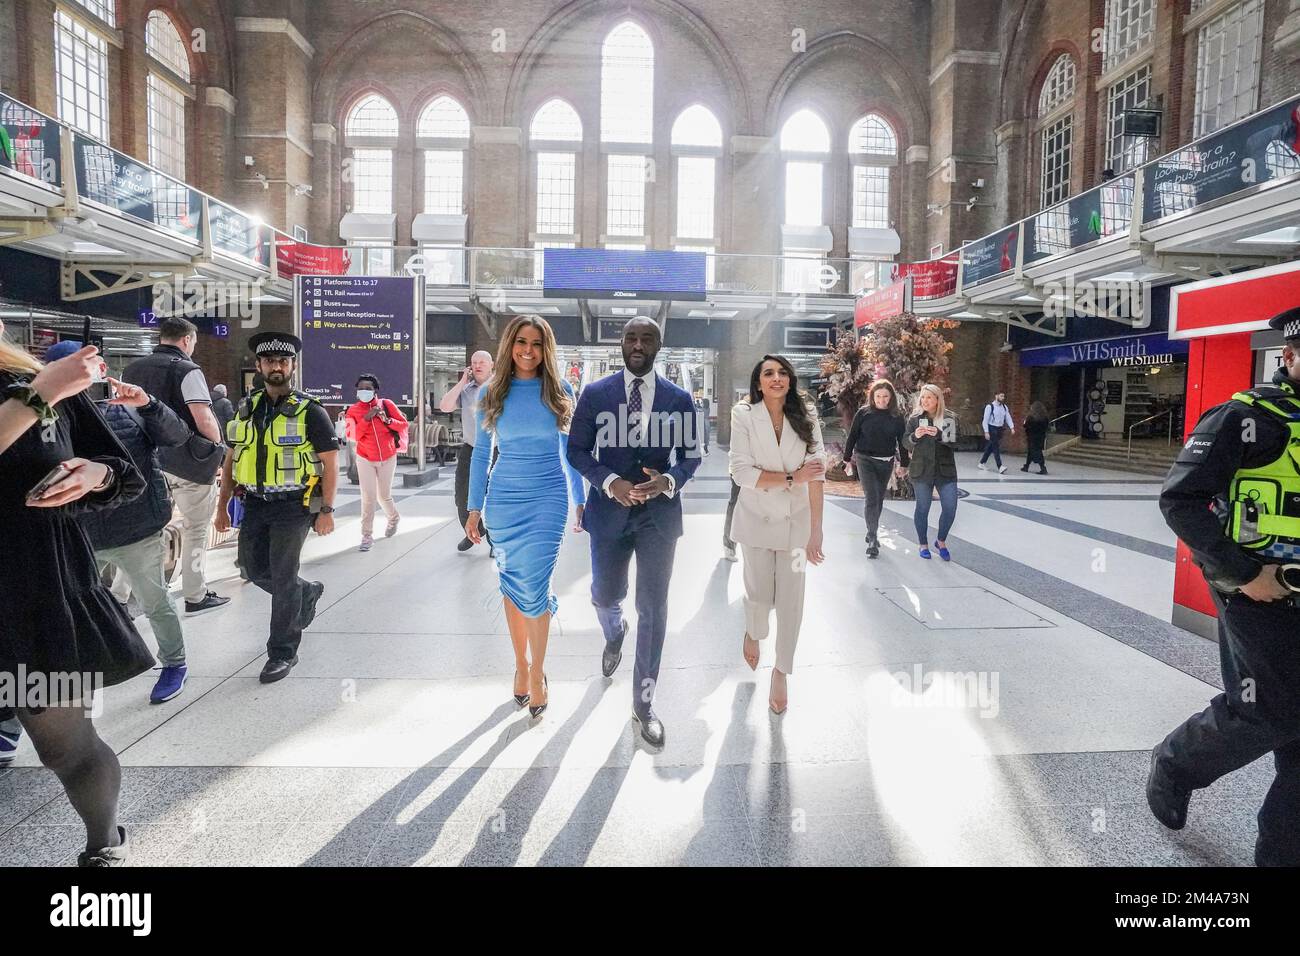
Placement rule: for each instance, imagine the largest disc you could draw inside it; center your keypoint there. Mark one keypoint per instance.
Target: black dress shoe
(873, 550)
(277, 670)
(465, 545)
(1167, 800)
(609, 660)
(210, 600)
(652, 728)
(310, 598)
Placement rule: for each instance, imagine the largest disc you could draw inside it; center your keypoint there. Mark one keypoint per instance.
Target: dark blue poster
(355, 325)
(29, 142)
(1257, 150)
(991, 256)
(1088, 217)
(1151, 348)
(114, 179)
(236, 234)
(623, 274)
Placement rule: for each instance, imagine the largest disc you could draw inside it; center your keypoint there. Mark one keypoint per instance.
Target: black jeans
(874, 475)
(731, 510)
(1258, 713)
(463, 456)
(270, 547)
(1034, 455)
(994, 445)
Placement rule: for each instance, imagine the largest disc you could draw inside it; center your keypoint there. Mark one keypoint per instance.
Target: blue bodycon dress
(526, 500)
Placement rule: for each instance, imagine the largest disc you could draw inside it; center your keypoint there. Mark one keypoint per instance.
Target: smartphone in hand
(60, 474)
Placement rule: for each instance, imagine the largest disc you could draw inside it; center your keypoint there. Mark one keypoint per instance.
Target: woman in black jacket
(876, 438)
(63, 630)
(932, 435)
(1036, 437)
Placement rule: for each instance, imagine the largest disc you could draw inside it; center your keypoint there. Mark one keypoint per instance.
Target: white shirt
(996, 413)
(647, 404)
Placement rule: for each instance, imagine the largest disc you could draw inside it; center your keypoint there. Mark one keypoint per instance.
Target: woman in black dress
(1036, 437)
(59, 621)
(876, 438)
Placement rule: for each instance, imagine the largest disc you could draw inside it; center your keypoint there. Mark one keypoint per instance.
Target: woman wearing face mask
(377, 426)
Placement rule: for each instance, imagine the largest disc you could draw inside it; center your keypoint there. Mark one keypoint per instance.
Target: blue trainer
(170, 683)
(943, 552)
(924, 552)
(10, 733)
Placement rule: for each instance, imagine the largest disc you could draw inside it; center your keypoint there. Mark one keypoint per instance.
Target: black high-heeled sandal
(537, 711)
(520, 699)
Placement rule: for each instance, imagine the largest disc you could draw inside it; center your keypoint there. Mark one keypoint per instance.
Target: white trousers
(774, 581)
(197, 503)
(376, 485)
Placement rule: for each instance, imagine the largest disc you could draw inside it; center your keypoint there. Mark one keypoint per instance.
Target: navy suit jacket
(598, 447)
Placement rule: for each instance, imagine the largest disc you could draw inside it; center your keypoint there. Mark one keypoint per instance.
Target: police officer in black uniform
(1233, 497)
(283, 457)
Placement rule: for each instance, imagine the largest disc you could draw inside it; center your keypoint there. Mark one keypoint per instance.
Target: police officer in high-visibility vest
(1233, 497)
(283, 459)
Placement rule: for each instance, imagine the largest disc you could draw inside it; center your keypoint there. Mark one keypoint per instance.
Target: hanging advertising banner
(236, 234)
(296, 258)
(29, 143)
(930, 280)
(1089, 217)
(989, 257)
(1261, 149)
(624, 274)
(352, 325)
(884, 303)
(117, 181)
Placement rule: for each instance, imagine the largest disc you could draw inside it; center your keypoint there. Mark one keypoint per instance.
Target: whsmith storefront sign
(1153, 348)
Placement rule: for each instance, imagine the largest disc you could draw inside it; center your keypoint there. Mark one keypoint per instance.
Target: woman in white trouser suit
(778, 461)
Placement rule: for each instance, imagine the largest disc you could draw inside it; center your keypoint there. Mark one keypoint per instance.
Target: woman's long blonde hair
(942, 409)
(15, 359)
(554, 394)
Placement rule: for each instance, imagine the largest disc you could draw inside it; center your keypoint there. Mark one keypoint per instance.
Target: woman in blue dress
(524, 411)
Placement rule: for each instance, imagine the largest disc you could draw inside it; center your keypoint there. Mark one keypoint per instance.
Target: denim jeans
(947, 507)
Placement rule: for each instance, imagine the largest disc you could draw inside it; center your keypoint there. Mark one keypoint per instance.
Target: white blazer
(775, 518)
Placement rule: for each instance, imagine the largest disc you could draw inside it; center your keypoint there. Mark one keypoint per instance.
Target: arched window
(81, 65)
(371, 128)
(696, 146)
(1056, 131)
(627, 70)
(555, 136)
(167, 82)
(372, 116)
(443, 130)
(806, 145)
(873, 152)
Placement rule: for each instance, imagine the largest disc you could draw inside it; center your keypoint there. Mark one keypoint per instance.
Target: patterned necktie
(634, 402)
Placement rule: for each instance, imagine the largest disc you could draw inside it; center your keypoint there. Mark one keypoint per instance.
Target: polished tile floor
(995, 710)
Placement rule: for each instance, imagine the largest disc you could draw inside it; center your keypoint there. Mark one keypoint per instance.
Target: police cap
(275, 343)
(1288, 323)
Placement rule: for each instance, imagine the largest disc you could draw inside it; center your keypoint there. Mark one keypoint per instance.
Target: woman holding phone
(778, 461)
(931, 433)
(60, 621)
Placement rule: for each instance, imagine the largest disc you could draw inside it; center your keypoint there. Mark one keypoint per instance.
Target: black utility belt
(276, 495)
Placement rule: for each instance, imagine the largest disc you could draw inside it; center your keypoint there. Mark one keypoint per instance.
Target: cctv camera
(249, 162)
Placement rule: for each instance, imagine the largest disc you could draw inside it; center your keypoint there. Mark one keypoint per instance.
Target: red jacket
(375, 440)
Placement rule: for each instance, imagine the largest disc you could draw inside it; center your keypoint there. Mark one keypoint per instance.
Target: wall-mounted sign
(1243, 302)
(884, 303)
(29, 142)
(1258, 150)
(1139, 122)
(623, 274)
(1152, 348)
(807, 338)
(352, 325)
(610, 331)
(1267, 361)
(990, 256)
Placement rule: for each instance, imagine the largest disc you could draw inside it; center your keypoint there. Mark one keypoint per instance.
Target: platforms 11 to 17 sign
(358, 325)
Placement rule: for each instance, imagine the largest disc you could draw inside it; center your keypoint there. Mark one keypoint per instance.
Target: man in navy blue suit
(634, 439)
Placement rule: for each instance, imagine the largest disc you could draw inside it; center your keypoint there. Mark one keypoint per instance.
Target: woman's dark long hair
(798, 406)
(883, 383)
(1037, 412)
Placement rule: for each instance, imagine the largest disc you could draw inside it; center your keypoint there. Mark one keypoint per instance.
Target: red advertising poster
(884, 303)
(1237, 303)
(930, 280)
(306, 259)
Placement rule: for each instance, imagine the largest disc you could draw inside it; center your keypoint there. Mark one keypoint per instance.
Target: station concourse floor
(997, 710)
